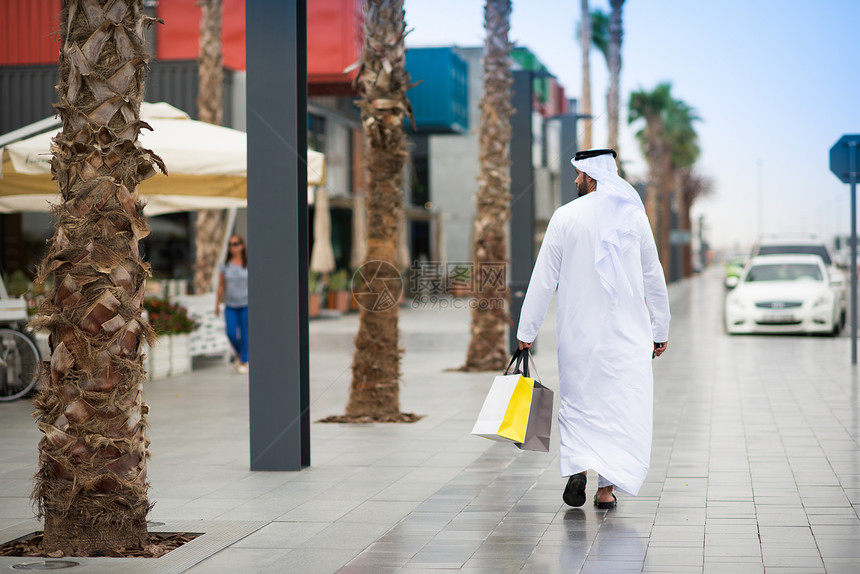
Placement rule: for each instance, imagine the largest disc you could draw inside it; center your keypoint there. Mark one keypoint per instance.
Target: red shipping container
(29, 32)
(179, 37)
(335, 40)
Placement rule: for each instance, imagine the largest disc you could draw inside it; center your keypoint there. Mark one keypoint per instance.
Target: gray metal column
(568, 150)
(522, 197)
(276, 47)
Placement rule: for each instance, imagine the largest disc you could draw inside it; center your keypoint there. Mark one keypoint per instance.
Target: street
(755, 464)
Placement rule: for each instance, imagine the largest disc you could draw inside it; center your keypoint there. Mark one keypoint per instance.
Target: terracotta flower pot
(339, 300)
(314, 304)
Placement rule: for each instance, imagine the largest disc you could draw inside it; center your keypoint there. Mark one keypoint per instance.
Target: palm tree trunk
(585, 40)
(375, 391)
(664, 245)
(91, 484)
(488, 346)
(685, 223)
(654, 156)
(209, 223)
(614, 63)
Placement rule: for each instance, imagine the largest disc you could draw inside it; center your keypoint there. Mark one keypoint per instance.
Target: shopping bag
(539, 426)
(505, 413)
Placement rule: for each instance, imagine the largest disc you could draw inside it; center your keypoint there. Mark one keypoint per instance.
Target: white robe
(604, 348)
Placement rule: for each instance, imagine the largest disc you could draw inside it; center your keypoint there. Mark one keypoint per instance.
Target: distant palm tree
(693, 185)
(488, 346)
(613, 59)
(91, 484)
(606, 36)
(585, 45)
(684, 151)
(652, 107)
(670, 145)
(209, 223)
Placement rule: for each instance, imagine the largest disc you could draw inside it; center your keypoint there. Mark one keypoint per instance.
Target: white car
(785, 294)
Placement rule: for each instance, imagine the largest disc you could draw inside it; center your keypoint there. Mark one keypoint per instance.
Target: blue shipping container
(440, 103)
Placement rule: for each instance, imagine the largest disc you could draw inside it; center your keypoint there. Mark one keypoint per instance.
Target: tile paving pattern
(755, 464)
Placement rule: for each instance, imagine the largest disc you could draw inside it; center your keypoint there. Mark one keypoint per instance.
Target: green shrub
(168, 318)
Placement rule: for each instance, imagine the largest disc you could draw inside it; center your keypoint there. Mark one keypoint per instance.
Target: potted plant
(314, 295)
(338, 291)
(172, 324)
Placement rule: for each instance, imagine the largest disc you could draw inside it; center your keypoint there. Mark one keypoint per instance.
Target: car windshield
(785, 272)
(819, 250)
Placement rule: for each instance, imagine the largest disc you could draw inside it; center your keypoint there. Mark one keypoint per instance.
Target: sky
(776, 83)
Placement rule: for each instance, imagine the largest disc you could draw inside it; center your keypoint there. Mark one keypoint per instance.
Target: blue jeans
(237, 330)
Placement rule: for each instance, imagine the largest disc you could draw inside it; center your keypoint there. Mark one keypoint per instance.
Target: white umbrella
(322, 254)
(207, 165)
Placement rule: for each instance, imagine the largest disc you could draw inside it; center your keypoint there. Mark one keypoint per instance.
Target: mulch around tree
(156, 546)
(398, 418)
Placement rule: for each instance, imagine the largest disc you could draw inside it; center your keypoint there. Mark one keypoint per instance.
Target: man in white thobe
(599, 253)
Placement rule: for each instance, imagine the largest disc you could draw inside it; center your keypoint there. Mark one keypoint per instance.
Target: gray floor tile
(753, 464)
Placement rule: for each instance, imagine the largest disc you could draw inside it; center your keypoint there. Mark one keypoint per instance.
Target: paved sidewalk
(755, 464)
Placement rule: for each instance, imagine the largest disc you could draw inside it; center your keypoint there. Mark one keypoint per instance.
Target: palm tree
(613, 60)
(375, 389)
(606, 35)
(652, 107)
(91, 484)
(209, 223)
(488, 346)
(693, 185)
(684, 151)
(585, 44)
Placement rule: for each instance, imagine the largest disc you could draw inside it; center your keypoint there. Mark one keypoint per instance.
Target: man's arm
(542, 285)
(656, 294)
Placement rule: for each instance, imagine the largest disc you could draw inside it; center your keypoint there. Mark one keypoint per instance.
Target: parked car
(800, 243)
(785, 294)
(782, 244)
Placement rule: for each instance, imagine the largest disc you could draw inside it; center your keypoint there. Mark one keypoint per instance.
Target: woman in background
(233, 292)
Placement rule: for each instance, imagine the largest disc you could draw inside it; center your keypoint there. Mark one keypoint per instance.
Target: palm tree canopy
(681, 135)
(675, 118)
(599, 31)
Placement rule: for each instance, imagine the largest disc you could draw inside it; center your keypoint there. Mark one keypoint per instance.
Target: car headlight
(736, 303)
(823, 299)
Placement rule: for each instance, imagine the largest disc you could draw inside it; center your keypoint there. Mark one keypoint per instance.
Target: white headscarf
(615, 228)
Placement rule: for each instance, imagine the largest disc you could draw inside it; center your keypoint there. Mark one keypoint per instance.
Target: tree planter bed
(211, 536)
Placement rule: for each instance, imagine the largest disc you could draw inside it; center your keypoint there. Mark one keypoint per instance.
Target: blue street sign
(841, 160)
(844, 163)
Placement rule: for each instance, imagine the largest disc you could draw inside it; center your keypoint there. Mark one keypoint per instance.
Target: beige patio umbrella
(322, 254)
(210, 174)
(359, 231)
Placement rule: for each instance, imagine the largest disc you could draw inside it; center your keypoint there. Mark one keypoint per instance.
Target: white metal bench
(210, 336)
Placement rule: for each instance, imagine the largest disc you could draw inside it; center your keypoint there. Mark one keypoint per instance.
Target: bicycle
(19, 355)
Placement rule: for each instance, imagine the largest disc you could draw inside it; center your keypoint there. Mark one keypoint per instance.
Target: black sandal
(605, 505)
(574, 492)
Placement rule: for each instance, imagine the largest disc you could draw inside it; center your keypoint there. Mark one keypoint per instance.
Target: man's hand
(524, 345)
(659, 349)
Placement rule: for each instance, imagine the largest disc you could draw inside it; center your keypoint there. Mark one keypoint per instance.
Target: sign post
(843, 163)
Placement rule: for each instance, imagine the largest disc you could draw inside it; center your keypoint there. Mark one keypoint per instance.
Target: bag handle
(522, 357)
(534, 366)
(518, 358)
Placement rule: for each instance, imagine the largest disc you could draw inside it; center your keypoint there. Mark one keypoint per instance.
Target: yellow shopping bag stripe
(516, 419)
